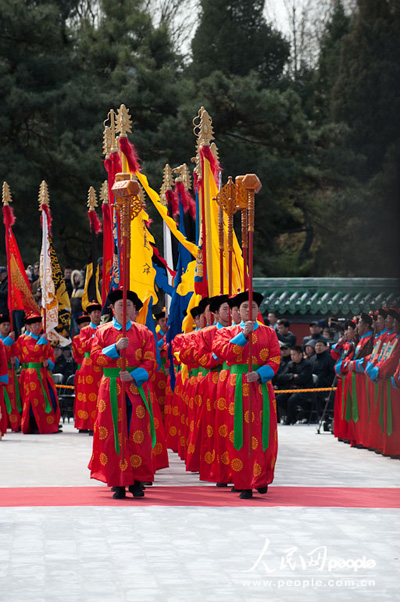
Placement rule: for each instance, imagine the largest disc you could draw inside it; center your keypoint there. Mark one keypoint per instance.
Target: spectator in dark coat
(323, 365)
(299, 376)
(315, 334)
(284, 334)
(280, 377)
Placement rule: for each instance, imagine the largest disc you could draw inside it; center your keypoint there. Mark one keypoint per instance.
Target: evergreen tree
(367, 90)
(233, 37)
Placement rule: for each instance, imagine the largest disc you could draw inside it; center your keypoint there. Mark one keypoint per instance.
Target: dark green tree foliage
(325, 146)
(367, 91)
(233, 37)
(329, 60)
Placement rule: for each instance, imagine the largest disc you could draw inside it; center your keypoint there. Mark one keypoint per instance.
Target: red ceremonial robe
(39, 395)
(257, 471)
(87, 382)
(12, 397)
(122, 439)
(3, 383)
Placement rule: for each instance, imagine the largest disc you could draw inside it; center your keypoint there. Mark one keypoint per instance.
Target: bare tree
(180, 16)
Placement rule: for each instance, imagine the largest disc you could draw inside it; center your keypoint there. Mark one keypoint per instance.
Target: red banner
(20, 292)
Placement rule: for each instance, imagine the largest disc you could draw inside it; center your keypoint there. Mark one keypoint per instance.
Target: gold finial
(107, 141)
(167, 183)
(92, 199)
(6, 194)
(124, 121)
(111, 136)
(183, 176)
(44, 198)
(203, 128)
(104, 192)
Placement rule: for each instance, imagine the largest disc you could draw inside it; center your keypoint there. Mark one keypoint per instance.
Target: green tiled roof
(326, 296)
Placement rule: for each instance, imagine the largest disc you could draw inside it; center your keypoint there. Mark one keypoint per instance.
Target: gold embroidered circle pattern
(237, 465)
(138, 437)
(103, 432)
(136, 461)
(140, 412)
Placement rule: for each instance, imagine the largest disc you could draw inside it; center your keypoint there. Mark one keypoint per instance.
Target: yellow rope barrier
(324, 389)
(306, 390)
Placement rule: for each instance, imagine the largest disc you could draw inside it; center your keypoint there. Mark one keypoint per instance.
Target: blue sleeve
(374, 373)
(111, 351)
(394, 383)
(17, 363)
(8, 341)
(359, 364)
(266, 373)
(42, 341)
(215, 357)
(51, 365)
(160, 343)
(338, 368)
(140, 375)
(239, 339)
(4, 379)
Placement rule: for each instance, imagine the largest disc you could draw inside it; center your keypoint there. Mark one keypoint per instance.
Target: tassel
(188, 203)
(130, 153)
(95, 223)
(205, 153)
(172, 202)
(8, 216)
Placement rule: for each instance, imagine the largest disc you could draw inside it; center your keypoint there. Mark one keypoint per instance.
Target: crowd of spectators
(305, 366)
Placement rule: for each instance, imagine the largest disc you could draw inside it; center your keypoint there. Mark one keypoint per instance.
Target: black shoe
(246, 494)
(145, 484)
(83, 431)
(114, 488)
(234, 490)
(136, 489)
(222, 485)
(263, 489)
(119, 493)
(90, 433)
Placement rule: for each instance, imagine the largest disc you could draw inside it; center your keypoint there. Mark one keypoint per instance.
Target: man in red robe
(41, 412)
(3, 383)
(12, 397)
(124, 434)
(89, 374)
(231, 345)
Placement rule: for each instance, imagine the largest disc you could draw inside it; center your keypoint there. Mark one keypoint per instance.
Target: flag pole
(252, 185)
(128, 205)
(8, 220)
(44, 202)
(226, 199)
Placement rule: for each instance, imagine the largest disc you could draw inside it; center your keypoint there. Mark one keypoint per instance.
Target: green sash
(351, 401)
(113, 374)
(36, 366)
(239, 370)
(7, 401)
(79, 366)
(87, 354)
(389, 415)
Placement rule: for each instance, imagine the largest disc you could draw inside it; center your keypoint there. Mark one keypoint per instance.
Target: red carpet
(313, 497)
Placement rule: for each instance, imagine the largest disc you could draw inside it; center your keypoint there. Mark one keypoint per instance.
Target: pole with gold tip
(8, 222)
(252, 185)
(44, 208)
(128, 205)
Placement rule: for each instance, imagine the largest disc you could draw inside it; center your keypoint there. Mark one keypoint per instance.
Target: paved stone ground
(173, 554)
